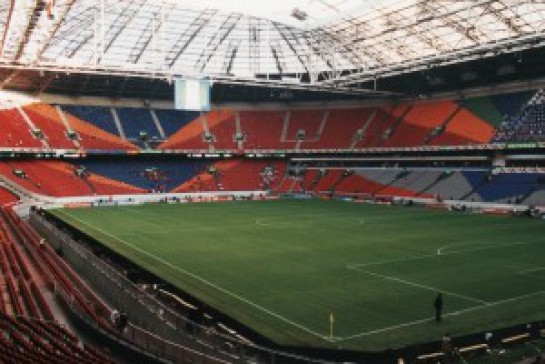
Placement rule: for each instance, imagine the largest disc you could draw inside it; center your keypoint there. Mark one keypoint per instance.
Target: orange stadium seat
(15, 132)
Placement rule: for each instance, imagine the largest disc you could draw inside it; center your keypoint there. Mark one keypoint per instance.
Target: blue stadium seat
(136, 120)
(174, 120)
(96, 115)
(173, 173)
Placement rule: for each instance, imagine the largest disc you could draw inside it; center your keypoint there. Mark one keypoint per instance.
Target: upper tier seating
(173, 120)
(96, 115)
(137, 120)
(262, 129)
(463, 122)
(342, 126)
(15, 132)
(46, 118)
(527, 124)
(513, 117)
(213, 130)
(86, 136)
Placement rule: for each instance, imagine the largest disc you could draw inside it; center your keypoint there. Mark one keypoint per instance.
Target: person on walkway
(438, 304)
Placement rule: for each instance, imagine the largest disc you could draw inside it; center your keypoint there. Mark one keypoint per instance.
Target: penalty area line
(439, 253)
(431, 318)
(200, 279)
(421, 286)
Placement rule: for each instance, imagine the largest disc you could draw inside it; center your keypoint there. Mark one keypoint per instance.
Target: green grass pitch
(281, 267)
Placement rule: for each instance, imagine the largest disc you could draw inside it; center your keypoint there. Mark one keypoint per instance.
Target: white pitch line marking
(531, 270)
(262, 221)
(428, 319)
(422, 286)
(213, 285)
(434, 255)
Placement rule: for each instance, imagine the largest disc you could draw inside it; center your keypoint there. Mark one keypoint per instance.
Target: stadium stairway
(201, 182)
(341, 181)
(138, 120)
(507, 187)
(86, 136)
(100, 117)
(433, 179)
(173, 120)
(537, 197)
(309, 122)
(510, 104)
(53, 272)
(190, 136)
(476, 179)
(342, 127)
(7, 197)
(59, 179)
(402, 125)
(105, 186)
(310, 179)
(392, 129)
(21, 279)
(235, 175)
(56, 179)
(222, 126)
(440, 129)
(28, 330)
(424, 119)
(385, 118)
(262, 129)
(47, 119)
(25, 340)
(15, 132)
(59, 272)
(142, 175)
(485, 109)
(465, 125)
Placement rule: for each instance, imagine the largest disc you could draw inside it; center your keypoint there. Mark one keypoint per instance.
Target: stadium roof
(300, 43)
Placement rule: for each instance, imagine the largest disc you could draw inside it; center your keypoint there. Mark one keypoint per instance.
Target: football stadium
(300, 181)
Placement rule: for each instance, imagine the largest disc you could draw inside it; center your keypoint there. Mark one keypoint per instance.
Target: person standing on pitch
(438, 304)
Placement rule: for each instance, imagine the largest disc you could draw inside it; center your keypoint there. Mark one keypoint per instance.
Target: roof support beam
(508, 22)
(6, 27)
(281, 30)
(123, 20)
(35, 15)
(185, 39)
(59, 18)
(152, 27)
(217, 39)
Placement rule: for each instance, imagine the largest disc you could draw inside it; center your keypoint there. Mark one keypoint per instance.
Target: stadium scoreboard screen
(192, 94)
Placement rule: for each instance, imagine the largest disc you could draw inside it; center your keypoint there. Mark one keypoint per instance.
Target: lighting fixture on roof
(299, 14)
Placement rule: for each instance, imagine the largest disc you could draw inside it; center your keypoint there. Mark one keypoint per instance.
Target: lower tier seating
(28, 330)
(134, 176)
(6, 197)
(25, 340)
(60, 179)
